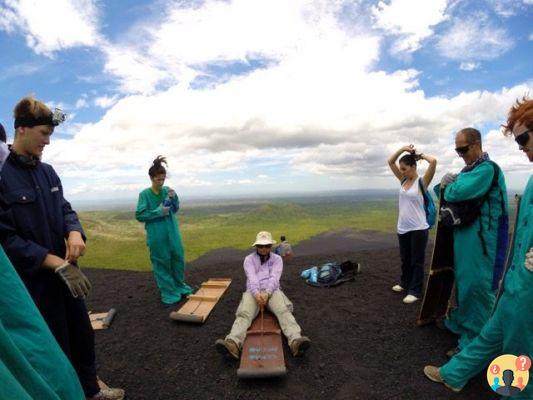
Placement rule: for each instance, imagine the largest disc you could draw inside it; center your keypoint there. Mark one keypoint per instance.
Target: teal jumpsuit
(32, 365)
(164, 241)
(474, 270)
(510, 328)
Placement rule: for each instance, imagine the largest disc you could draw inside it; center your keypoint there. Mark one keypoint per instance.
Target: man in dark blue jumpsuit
(43, 238)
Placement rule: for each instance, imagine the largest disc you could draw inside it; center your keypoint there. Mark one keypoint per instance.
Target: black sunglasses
(462, 149)
(262, 246)
(523, 138)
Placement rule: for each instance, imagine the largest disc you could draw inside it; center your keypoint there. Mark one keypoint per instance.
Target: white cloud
(530, 37)
(81, 103)
(474, 38)
(319, 107)
(410, 20)
(178, 48)
(52, 25)
(469, 66)
(105, 101)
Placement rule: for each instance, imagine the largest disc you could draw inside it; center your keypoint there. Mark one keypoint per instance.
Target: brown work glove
(76, 281)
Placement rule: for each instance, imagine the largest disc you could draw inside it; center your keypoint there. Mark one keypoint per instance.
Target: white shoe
(398, 288)
(410, 299)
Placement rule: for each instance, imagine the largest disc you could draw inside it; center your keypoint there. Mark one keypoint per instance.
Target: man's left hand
(528, 263)
(75, 246)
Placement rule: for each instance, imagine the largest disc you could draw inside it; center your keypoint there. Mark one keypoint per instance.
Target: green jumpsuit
(164, 241)
(510, 328)
(32, 365)
(474, 270)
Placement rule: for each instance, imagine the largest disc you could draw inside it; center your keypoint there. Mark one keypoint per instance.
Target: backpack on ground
(333, 274)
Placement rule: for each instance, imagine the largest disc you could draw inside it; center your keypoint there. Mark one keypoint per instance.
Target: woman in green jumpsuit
(32, 366)
(157, 208)
(510, 328)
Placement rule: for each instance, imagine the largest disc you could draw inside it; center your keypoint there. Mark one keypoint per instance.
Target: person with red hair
(508, 331)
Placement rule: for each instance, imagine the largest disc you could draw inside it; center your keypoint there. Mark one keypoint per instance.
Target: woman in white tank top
(412, 223)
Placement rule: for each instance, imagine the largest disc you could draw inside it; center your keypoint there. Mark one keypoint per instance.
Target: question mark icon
(523, 363)
(495, 369)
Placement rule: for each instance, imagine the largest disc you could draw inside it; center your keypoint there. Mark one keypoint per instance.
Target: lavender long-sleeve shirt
(262, 276)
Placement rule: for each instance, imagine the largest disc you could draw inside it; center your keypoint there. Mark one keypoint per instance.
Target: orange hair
(520, 113)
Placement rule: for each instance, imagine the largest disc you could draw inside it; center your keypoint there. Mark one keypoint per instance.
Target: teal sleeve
(176, 203)
(470, 185)
(143, 213)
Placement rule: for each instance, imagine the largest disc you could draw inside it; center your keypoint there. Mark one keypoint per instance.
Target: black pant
(69, 322)
(412, 253)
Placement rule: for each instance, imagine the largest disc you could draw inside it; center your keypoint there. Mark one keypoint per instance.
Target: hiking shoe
(108, 394)
(433, 374)
(300, 345)
(450, 353)
(227, 347)
(409, 299)
(398, 288)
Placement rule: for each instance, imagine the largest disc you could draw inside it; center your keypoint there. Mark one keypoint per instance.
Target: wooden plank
(199, 305)
(262, 350)
(102, 320)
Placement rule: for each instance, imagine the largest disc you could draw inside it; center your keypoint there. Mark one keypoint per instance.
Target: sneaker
(228, 347)
(398, 288)
(300, 345)
(108, 394)
(450, 353)
(433, 374)
(409, 299)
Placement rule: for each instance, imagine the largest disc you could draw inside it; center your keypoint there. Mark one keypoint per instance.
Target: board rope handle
(262, 309)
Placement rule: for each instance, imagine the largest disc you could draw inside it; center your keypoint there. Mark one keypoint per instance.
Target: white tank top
(412, 216)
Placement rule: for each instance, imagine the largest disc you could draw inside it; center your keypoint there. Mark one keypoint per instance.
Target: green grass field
(117, 240)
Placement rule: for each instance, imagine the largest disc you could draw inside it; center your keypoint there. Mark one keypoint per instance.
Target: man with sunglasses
(508, 331)
(263, 270)
(479, 247)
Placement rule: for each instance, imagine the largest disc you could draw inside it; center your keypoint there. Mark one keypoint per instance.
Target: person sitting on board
(263, 270)
(508, 331)
(284, 249)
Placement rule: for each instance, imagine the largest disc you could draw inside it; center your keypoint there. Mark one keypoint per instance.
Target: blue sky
(251, 97)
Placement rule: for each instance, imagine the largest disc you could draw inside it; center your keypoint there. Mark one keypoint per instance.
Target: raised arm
(143, 213)
(392, 160)
(430, 172)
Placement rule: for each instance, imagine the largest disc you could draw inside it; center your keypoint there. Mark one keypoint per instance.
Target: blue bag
(429, 205)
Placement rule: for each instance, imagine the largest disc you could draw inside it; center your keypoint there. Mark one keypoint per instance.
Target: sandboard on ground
(199, 305)
(262, 351)
(102, 320)
(440, 280)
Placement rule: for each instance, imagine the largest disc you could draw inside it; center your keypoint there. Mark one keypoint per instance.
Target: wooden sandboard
(440, 282)
(510, 245)
(102, 320)
(199, 305)
(262, 351)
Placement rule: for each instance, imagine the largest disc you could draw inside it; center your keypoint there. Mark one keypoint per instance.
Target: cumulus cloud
(474, 38)
(410, 21)
(50, 26)
(318, 105)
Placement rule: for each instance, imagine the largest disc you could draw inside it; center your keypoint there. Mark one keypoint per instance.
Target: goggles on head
(55, 118)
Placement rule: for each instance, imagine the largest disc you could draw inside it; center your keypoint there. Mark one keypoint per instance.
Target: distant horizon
(128, 203)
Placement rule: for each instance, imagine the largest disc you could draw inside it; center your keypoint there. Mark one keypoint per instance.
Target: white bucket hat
(263, 238)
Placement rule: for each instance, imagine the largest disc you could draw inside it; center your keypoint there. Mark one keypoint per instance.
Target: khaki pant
(248, 309)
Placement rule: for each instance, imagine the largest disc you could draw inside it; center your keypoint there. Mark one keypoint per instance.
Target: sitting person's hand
(261, 298)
